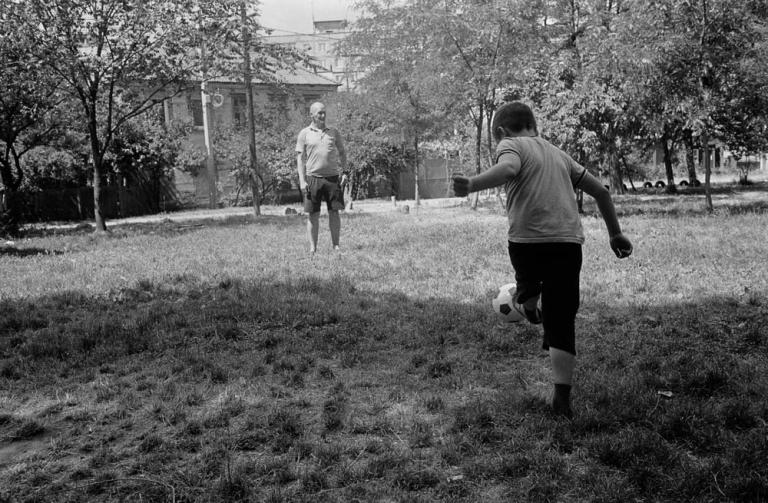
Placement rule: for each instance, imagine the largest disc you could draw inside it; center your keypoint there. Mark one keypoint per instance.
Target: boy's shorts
(552, 270)
(321, 189)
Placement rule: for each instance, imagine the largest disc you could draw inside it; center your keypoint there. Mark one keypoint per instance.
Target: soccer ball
(503, 304)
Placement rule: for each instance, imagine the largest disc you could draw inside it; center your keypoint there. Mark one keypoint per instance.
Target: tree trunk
(417, 199)
(617, 183)
(478, 150)
(690, 161)
(10, 205)
(10, 213)
(98, 215)
(668, 166)
(707, 172)
(249, 104)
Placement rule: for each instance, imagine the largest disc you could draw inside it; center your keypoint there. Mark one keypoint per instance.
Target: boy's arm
(496, 175)
(620, 245)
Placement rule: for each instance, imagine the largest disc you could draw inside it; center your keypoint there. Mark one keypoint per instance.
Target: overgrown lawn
(175, 362)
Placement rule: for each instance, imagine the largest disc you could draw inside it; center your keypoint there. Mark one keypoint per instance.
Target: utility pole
(210, 160)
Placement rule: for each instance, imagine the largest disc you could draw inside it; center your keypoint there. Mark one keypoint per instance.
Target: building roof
(295, 76)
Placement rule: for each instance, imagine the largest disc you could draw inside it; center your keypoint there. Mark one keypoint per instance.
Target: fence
(77, 203)
(434, 179)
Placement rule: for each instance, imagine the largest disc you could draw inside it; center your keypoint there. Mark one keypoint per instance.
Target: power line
(326, 36)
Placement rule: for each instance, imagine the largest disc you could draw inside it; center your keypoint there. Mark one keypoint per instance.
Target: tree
(372, 154)
(143, 154)
(485, 46)
(403, 80)
(117, 58)
(585, 87)
(230, 34)
(274, 138)
(703, 55)
(30, 114)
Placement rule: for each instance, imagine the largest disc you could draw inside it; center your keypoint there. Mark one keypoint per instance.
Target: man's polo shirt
(321, 148)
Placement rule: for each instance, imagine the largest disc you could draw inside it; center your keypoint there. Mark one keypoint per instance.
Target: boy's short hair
(515, 116)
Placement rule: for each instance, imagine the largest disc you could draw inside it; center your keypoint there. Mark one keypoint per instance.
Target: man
(320, 159)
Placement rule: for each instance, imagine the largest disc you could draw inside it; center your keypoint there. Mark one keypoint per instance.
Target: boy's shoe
(561, 408)
(561, 401)
(532, 315)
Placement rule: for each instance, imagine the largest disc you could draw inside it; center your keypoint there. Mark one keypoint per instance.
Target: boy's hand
(461, 185)
(621, 246)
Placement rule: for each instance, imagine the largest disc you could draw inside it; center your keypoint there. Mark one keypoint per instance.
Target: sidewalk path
(203, 216)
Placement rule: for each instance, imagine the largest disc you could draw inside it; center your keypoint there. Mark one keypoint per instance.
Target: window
(196, 111)
(239, 110)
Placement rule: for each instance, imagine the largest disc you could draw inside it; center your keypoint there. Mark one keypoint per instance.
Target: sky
(297, 15)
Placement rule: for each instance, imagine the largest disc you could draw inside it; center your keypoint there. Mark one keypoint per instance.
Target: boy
(545, 233)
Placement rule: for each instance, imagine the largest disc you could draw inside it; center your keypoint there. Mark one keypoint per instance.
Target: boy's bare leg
(563, 364)
(334, 222)
(312, 230)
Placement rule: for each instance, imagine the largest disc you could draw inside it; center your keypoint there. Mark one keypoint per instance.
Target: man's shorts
(321, 189)
(551, 270)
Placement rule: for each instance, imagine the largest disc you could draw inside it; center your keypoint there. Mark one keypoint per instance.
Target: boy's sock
(561, 401)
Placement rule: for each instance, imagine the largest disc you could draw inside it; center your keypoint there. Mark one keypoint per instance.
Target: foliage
(119, 58)
(31, 113)
(52, 167)
(143, 154)
(101, 52)
(277, 125)
(607, 79)
(374, 151)
(700, 63)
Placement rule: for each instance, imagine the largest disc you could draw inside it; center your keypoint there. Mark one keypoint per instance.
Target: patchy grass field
(175, 362)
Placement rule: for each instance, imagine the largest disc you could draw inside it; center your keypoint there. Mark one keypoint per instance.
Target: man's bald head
(315, 107)
(317, 113)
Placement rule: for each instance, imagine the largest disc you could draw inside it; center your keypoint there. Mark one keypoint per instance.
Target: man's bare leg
(334, 222)
(312, 230)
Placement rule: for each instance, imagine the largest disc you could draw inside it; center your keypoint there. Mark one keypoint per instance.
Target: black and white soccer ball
(504, 304)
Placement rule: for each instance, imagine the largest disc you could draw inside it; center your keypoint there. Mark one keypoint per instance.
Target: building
(321, 46)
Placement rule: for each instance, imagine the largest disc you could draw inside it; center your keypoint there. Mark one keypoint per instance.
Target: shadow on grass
(12, 251)
(241, 390)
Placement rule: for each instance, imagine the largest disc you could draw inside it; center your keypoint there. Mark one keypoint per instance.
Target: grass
(170, 362)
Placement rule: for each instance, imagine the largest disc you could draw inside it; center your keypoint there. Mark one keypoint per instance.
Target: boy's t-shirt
(541, 202)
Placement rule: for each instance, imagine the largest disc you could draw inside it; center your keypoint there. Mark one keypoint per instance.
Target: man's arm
(302, 169)
(301, 165)
(620, 245)
(498, 174)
